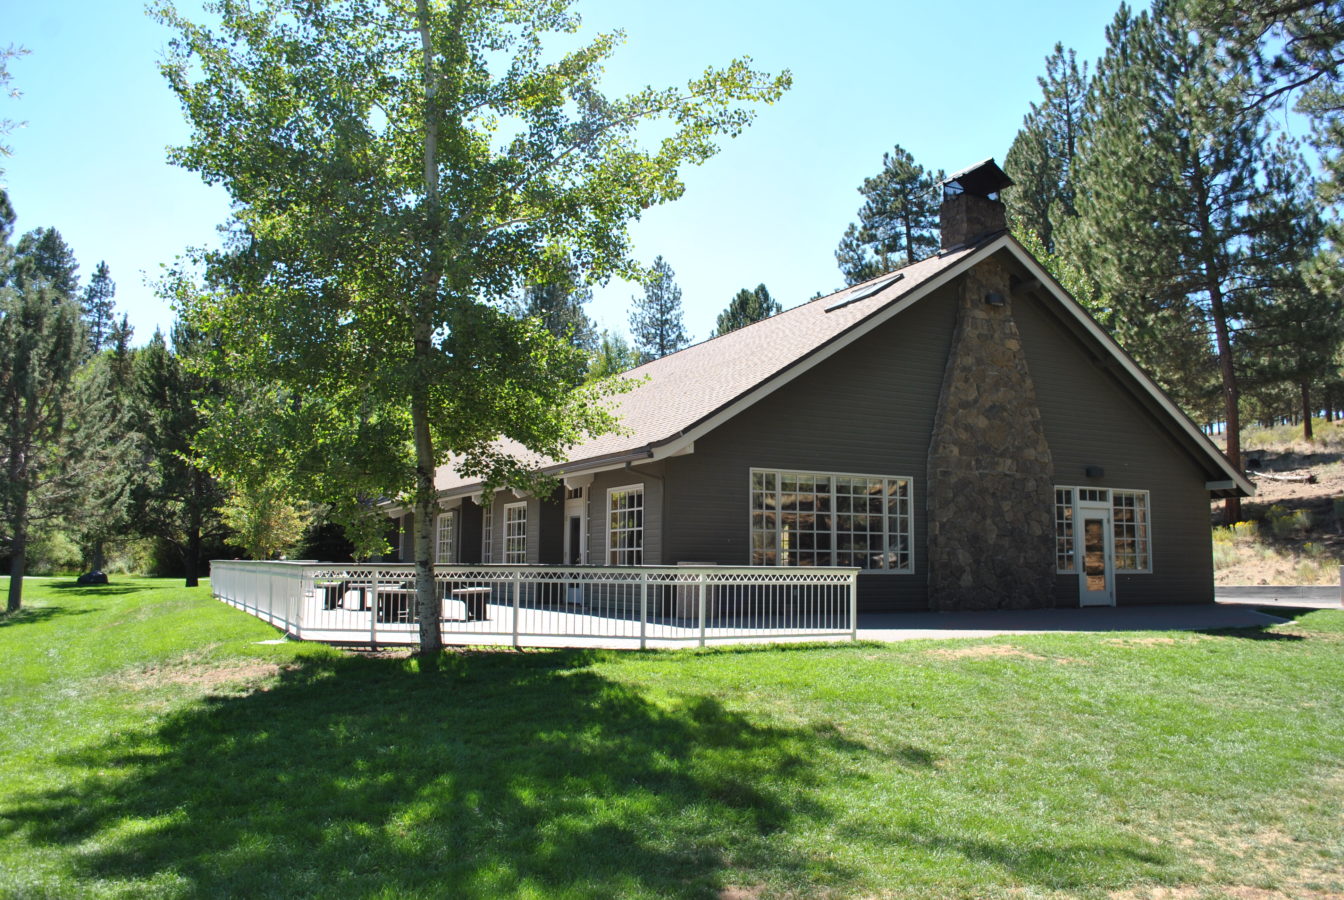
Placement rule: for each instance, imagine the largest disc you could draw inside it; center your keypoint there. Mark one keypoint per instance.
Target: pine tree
(1041, 158)
(1166, 178)
(656, 318)
(98, 304)
(178, 500)
(99, 440)
(898, 222)
(104, 404)
(745, 308)
(557, 300)
(42, 257)
(1292, 312)
(41, 344)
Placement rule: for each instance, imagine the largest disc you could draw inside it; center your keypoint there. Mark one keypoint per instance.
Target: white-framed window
(1131, 529)
(488, 533)
(625, 525)
(515, 533)
(831, 519)
(1064, 550)
(1129, 519)
(445, 538)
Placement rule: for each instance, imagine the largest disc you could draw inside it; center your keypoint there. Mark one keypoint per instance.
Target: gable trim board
(682, 442)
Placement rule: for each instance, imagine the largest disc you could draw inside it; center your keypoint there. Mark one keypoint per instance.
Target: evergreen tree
(178, 500)
(1041, 158)
(103, 433)
(1292, 45)
(41, 344)
(1166, 179)
(745, 308)
(557, 301)
(656, 318)
(98, 306)
(42, 257)
(1292, 317)
(898, 222)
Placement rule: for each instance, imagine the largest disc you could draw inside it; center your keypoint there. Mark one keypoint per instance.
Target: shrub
(1288, 522)
(1225, 554)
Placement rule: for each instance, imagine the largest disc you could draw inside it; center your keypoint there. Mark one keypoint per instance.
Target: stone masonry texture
(991, 477)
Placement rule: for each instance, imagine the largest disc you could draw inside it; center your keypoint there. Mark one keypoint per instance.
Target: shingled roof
(686, 393)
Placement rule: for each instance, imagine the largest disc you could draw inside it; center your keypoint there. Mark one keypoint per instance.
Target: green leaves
(398, 170)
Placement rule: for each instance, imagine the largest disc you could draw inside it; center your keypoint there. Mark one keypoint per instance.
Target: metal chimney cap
(981, 180)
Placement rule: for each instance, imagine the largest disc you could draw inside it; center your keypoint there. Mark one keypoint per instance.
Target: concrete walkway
(1202, 617)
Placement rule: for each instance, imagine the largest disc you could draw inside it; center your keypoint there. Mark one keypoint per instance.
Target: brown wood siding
(1090, 419)
(867, 410)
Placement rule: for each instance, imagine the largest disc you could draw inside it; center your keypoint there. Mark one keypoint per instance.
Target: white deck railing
(639, 606)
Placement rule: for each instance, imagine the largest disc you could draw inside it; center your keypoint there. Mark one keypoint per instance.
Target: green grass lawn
(149, 746)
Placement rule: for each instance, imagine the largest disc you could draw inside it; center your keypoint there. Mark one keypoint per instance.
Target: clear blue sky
(948, 81)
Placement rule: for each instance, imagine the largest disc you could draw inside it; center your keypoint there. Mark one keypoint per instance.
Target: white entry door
(1096, 577)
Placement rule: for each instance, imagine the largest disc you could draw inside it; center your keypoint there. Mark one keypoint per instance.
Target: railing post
(643, 609)
(853, 606)
(517, 590)
(704, 596)
(373, 611)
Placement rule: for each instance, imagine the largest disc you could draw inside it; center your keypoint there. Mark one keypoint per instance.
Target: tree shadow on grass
(30, 615)
(112, 589)
(488, 775)
(1057, 863)
(1256, 633)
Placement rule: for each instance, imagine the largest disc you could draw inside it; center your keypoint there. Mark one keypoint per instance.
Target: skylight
(864, 291)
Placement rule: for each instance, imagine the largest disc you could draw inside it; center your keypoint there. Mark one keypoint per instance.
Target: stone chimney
(971, 207)
(991, 475)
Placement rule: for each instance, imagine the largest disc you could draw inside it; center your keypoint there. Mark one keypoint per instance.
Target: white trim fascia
(864, 326)
(447, 503)
(1090, 324)
(675, 449)
(578, 481)
(1224, 485)
(473, 489)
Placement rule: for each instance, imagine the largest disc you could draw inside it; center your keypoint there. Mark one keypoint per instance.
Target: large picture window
(515, 533)
(1130, 528)
(445, 539)
(625, 525)
(827, 519)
